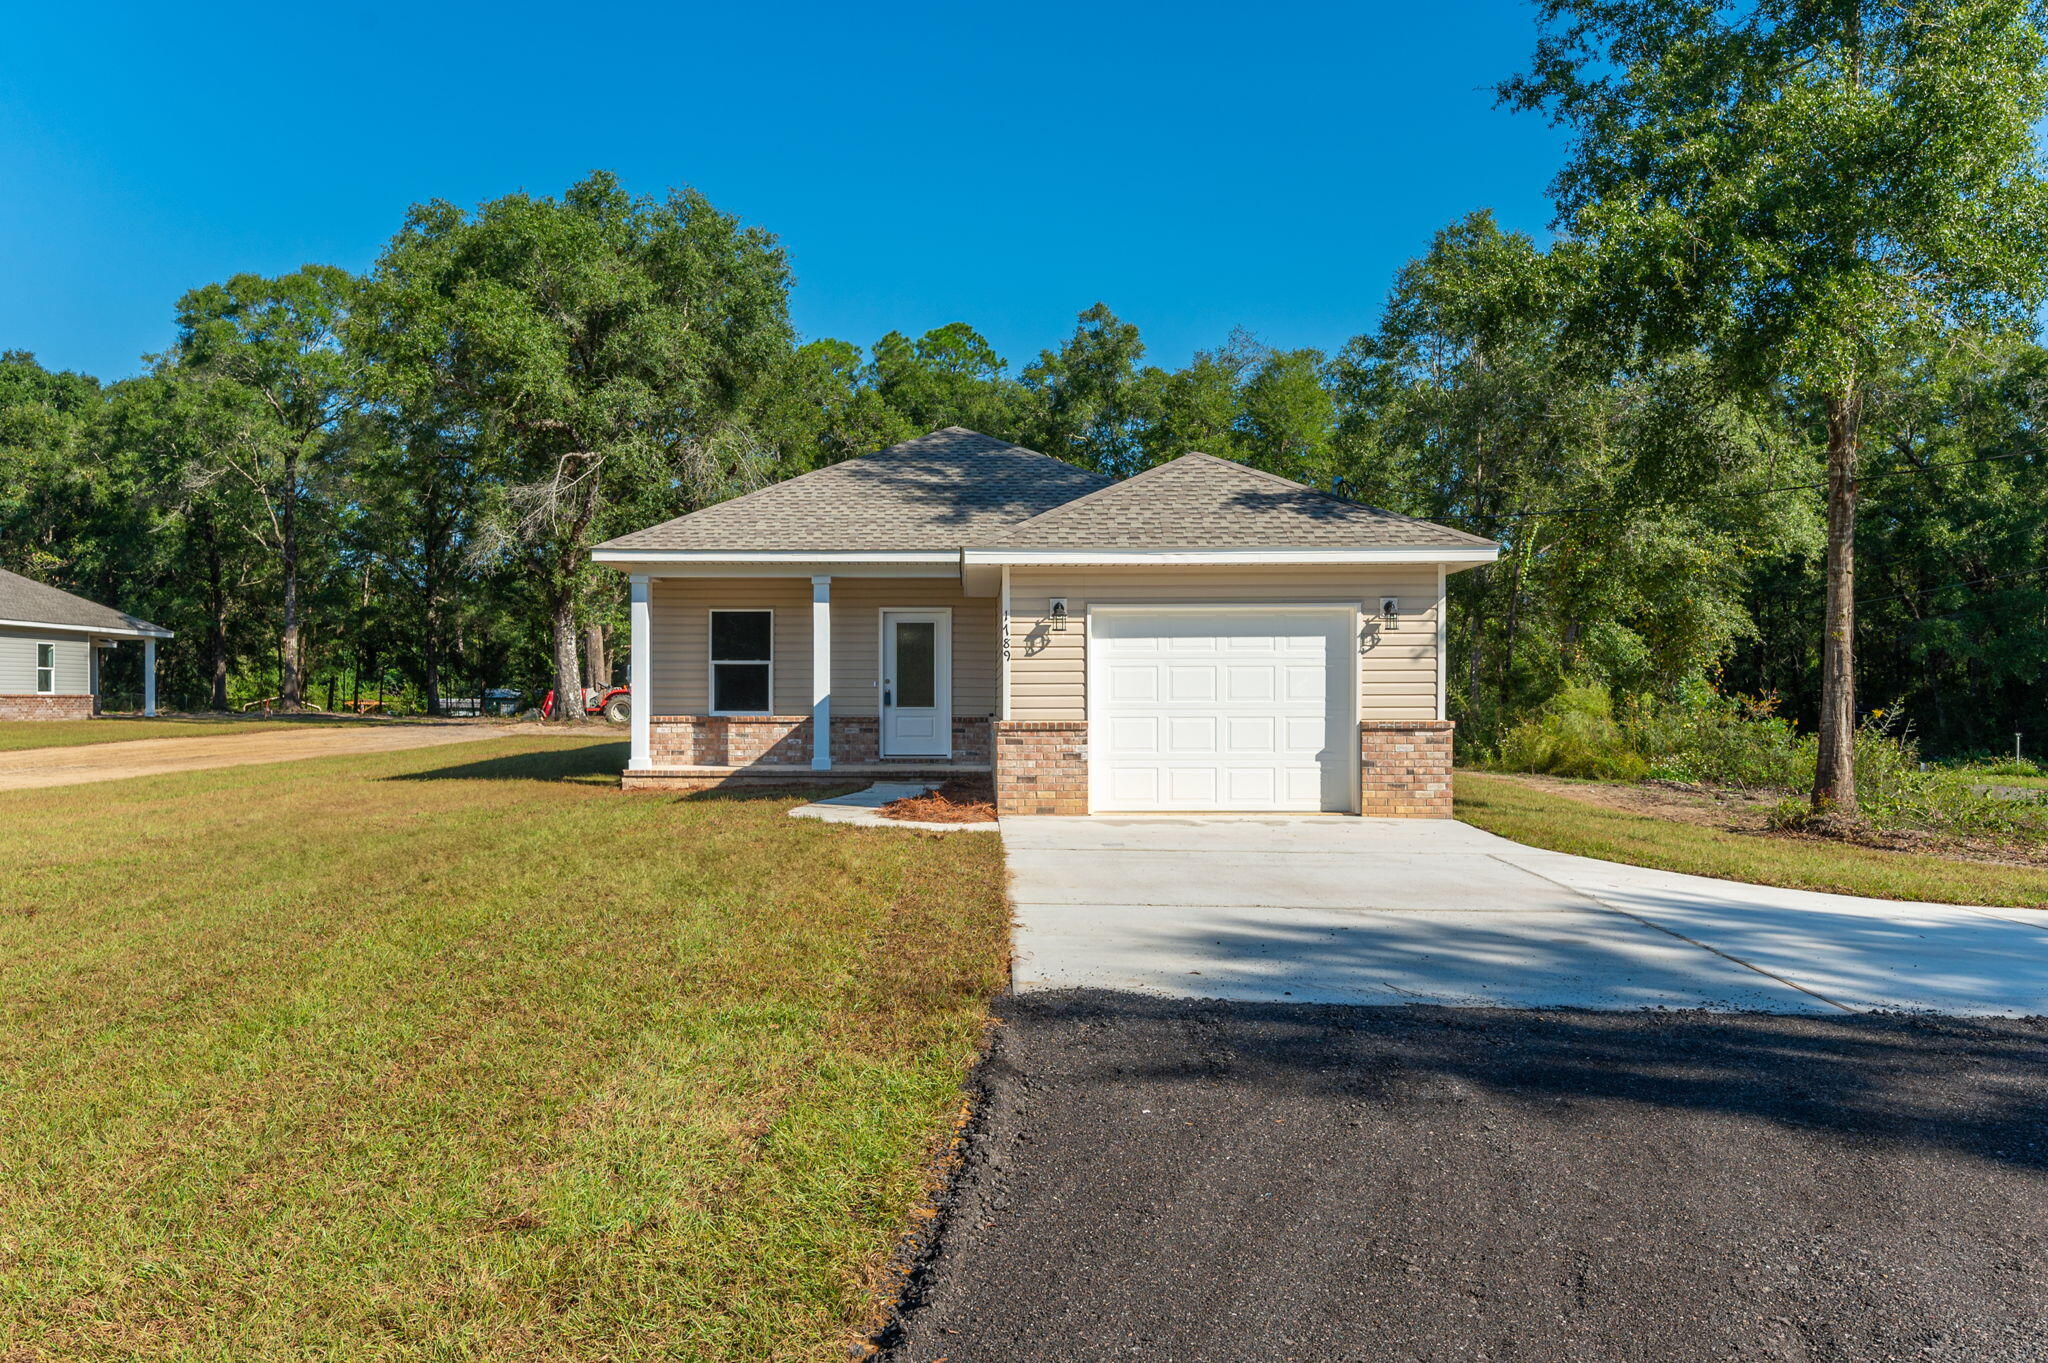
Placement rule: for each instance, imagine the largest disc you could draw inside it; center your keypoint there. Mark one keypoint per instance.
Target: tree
(1197, 407)
(1086, 395)
(605, 349)
(50, 484)
(1810, 192)
(1629, 509)
(278, 342)
(950, 376)
(162, 434)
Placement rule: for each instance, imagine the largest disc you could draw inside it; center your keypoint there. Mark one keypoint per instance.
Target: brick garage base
(45, 707)
(1404, 768)
(1041, 766)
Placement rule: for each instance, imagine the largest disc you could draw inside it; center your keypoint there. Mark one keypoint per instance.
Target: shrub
(1722, 740)
(1573, 734)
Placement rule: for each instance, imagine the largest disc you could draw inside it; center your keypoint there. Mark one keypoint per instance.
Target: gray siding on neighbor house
(18, 662)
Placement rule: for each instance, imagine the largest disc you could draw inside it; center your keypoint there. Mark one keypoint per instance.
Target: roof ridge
(1054, 519)
(970, 457)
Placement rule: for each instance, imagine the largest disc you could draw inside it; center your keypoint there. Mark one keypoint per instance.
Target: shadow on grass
(583, 763)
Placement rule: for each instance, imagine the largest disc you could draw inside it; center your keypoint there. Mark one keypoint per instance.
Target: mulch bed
(967, 799)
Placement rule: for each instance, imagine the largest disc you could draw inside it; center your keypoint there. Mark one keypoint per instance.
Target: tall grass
(1712, 739)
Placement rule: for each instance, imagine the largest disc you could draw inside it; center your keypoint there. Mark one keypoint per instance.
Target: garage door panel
(1251, 787)
(1133, 683)
(1254, 735)
(1242, 683)
(1135, 787)
(1189, 787)
(1189, 735)
(1135, 734)
(1222, 710)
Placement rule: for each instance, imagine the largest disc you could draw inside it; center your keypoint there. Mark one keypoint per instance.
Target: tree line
(1762, 416)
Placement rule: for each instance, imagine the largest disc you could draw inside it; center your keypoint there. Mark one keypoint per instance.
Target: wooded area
(1791, 302)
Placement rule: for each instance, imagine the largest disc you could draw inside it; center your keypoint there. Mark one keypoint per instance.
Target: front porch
(736, 677)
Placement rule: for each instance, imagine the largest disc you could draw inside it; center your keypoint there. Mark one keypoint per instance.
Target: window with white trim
(46, 669)
(742, 662)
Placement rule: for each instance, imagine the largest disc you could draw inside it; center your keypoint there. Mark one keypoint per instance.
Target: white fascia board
(626, 556)
(105, 631)
(1231, 557)
(675, 563)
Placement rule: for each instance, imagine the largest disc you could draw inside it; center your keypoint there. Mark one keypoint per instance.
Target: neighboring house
(50, 644)
(1200, 637)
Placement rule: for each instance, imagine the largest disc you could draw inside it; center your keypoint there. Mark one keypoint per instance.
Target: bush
(1712, 739)
(1722, 740)
(2002, 766)
(1573, 734)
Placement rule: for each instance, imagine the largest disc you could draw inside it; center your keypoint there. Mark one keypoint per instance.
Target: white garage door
(1220, 710)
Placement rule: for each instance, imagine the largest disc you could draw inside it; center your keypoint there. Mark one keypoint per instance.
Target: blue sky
(1196, 167)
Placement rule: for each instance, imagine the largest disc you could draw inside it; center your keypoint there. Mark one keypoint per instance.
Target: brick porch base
(45, 707)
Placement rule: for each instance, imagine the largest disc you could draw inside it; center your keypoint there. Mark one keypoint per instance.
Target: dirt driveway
(1157, 1179)
(35, 767)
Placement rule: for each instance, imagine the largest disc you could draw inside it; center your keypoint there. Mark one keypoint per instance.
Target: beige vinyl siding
(680, 609)
(1048, 668)
(18, 662)
(857, 606)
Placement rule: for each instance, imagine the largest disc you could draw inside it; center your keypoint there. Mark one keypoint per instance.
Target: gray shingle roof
(1201, 502)
(37, 603)
(936, 492)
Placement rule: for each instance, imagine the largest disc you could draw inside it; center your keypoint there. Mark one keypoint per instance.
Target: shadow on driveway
(1161, 1179)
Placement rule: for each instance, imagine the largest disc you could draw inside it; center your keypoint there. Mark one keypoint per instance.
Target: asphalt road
(1164, 1179)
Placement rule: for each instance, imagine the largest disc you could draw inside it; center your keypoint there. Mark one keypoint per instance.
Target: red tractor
(613, 703)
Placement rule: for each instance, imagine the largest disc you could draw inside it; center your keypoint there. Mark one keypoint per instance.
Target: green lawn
(462, 1053)
(18, 734)
(1540, 818)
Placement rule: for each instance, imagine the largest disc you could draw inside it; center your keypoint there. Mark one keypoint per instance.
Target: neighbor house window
(46, 669)
(742, 662)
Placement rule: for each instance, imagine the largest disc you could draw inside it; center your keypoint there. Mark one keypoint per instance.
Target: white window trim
(49, 671)
(711, 663)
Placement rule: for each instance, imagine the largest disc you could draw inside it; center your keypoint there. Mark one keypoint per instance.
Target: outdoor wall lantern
(1059, 613)
(1390, 611)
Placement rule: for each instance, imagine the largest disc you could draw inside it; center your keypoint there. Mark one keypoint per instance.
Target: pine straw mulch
(964, 799)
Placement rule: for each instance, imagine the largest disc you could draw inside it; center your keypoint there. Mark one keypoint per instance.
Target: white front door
(917, 683)
(1221, 709)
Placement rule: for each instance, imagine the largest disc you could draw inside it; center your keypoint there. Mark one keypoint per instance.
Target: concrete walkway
(1342, 910)
(32, 768)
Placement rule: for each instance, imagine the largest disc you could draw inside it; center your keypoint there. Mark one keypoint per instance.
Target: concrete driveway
(1326, 909)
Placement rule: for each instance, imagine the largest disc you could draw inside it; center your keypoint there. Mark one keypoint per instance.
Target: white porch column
(149, 678)
(641, 675)
(821, 674)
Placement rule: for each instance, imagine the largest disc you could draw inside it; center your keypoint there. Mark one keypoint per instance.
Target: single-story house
(1200, 637)
(50, 644)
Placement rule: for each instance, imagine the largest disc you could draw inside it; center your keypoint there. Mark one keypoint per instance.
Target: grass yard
(462, 1053)
(1543, 818)
(19, 734)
